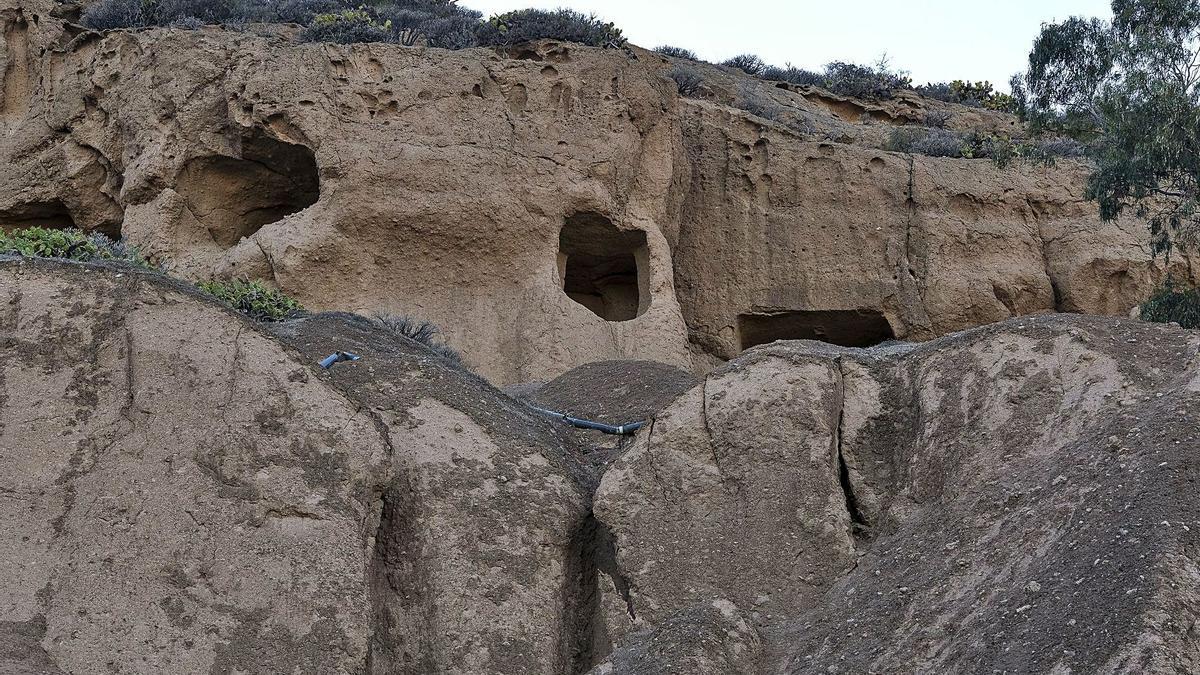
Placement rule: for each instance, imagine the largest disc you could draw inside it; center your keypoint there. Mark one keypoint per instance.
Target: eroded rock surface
(549, 206)
(184, 492)
(1014, 498)
(708, 639)
(189, 491)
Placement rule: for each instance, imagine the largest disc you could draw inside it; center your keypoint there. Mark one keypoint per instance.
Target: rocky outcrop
(188, 491)
(550, 206)
(735, 480)
(1015, 498)
(184, 492)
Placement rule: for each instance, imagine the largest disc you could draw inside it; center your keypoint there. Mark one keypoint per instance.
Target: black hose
(617, 430)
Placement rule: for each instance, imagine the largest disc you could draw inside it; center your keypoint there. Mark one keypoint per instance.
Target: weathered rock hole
(603, 268)
(848, 328)
(51, 214)
(233, 197)
(524, 54)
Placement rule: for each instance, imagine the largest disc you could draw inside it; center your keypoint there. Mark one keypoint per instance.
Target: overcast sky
(935, 40)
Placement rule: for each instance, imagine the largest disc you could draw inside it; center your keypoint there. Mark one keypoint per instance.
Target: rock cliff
(847, 466)
(549, 205)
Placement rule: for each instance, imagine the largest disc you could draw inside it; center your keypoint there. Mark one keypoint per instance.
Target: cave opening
(52, 215)
(847, 328)
(604, 268)
(234, 197)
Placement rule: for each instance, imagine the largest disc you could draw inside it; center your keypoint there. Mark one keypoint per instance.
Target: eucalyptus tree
(1132, 87)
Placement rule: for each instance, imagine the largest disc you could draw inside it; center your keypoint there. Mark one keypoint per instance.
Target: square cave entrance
(847, 328)
(604, 268)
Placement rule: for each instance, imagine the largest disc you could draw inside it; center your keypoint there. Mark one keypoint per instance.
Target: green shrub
(1039, 151)
(677, 52)
(937, 119)
(437, 23)
(865, 82)
(763, 106)
(567, 25)
(964, 92)
(747, 63)
(345, 27)
(936, 142)
(848, 79)
(1169, 305)
(69, 244)
(932, 142)
(687, 80)
(758, 105)
(792, 75)
(109, 14)
(939, 91)
(253, 299)
(422, 332)
(295, 11)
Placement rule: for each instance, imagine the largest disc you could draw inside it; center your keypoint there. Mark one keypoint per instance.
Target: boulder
(1012, 498)
(186, 491)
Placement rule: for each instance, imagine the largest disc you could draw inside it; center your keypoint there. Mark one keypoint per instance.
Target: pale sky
(935, 40)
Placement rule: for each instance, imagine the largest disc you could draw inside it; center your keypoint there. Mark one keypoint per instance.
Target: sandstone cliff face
(783, 238)
(549, 206)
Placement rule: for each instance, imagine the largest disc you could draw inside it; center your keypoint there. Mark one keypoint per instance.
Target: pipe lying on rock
(618, 430)
(338, 357)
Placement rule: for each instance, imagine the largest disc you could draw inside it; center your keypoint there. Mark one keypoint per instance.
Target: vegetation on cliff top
(433, 23)
(936, 142)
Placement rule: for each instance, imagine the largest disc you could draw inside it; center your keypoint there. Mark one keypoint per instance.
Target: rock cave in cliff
(848, 328)
(233, 197)
(49, 214)
(604, 268)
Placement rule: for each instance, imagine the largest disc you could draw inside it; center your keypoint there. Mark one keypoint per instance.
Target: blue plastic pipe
(617, 430)
(338, 357)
